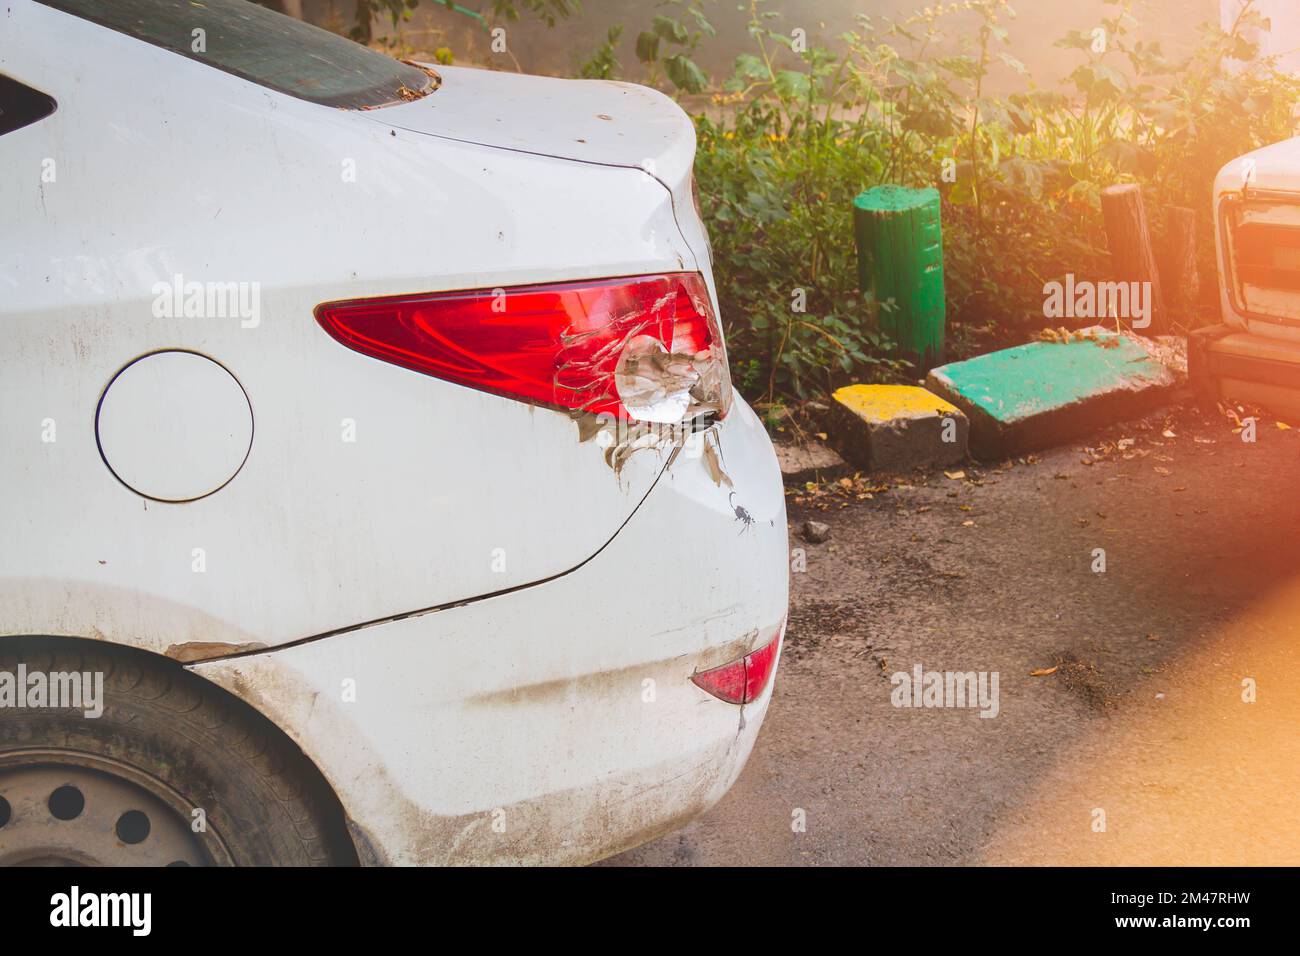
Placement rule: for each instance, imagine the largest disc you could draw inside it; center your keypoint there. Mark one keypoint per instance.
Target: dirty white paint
(174, 426)
(532, 704)
(315, 533)
(596, 121)
(511, 727)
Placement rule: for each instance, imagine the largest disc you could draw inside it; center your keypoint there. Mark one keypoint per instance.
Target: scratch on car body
(192, 651)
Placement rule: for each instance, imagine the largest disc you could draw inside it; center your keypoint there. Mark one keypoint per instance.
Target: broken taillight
(744, 679)
(647, 348)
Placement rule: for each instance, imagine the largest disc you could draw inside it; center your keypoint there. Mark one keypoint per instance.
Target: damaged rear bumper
(557, 723)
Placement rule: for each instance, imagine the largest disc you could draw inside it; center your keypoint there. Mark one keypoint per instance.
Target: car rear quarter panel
(557, 723)
(155, 166)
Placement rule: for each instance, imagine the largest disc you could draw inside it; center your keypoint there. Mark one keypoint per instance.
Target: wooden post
(1131, 254)
(1178, 271)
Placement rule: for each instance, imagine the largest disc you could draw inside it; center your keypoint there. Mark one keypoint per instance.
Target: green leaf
(792, 85)
(647, 47)
(1012, 62)
(702, 21)
(750, 68)
(686, 74)
(1129, 157)
(1023, 175)
(670, 29)
(929, 122)
(1075, 40)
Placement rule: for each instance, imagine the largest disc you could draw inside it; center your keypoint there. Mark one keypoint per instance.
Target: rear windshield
(258, 44)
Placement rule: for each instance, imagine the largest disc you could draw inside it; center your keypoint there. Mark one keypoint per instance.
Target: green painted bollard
(900, 267)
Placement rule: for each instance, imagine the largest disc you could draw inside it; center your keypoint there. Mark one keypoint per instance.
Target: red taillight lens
(647, 348)
(759, 667)
(742, 680)
(725, 683)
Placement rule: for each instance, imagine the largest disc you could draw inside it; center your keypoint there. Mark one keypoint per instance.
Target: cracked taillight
(744, 679)
(647, 348)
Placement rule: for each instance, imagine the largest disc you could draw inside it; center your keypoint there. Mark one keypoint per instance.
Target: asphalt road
(1141, 727)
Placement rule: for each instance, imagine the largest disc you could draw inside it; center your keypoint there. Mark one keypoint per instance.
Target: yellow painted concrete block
(897, 428)
(884, 403)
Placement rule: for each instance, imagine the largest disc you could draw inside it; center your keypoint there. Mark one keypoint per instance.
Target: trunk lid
(590, 121)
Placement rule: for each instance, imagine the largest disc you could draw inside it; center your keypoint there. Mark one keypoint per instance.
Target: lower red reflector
(742, 680)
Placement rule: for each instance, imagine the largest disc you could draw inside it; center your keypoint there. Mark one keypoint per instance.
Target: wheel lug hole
(67, 802)
(133, 827)
(6, 812)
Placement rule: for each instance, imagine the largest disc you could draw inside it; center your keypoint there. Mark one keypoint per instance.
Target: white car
(374, 488)
(1254, 354)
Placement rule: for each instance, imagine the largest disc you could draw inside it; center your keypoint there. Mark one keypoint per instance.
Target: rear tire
(168, 744)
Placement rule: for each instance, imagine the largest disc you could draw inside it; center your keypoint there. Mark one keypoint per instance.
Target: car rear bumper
(1226, 362)
(557, 722)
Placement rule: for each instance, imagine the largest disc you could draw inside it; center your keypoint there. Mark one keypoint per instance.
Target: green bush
(784, 150)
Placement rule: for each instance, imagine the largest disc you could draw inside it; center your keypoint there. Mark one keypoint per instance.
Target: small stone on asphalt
(816, 531)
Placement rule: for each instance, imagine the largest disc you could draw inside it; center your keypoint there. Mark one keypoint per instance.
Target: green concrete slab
(1045, 393)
